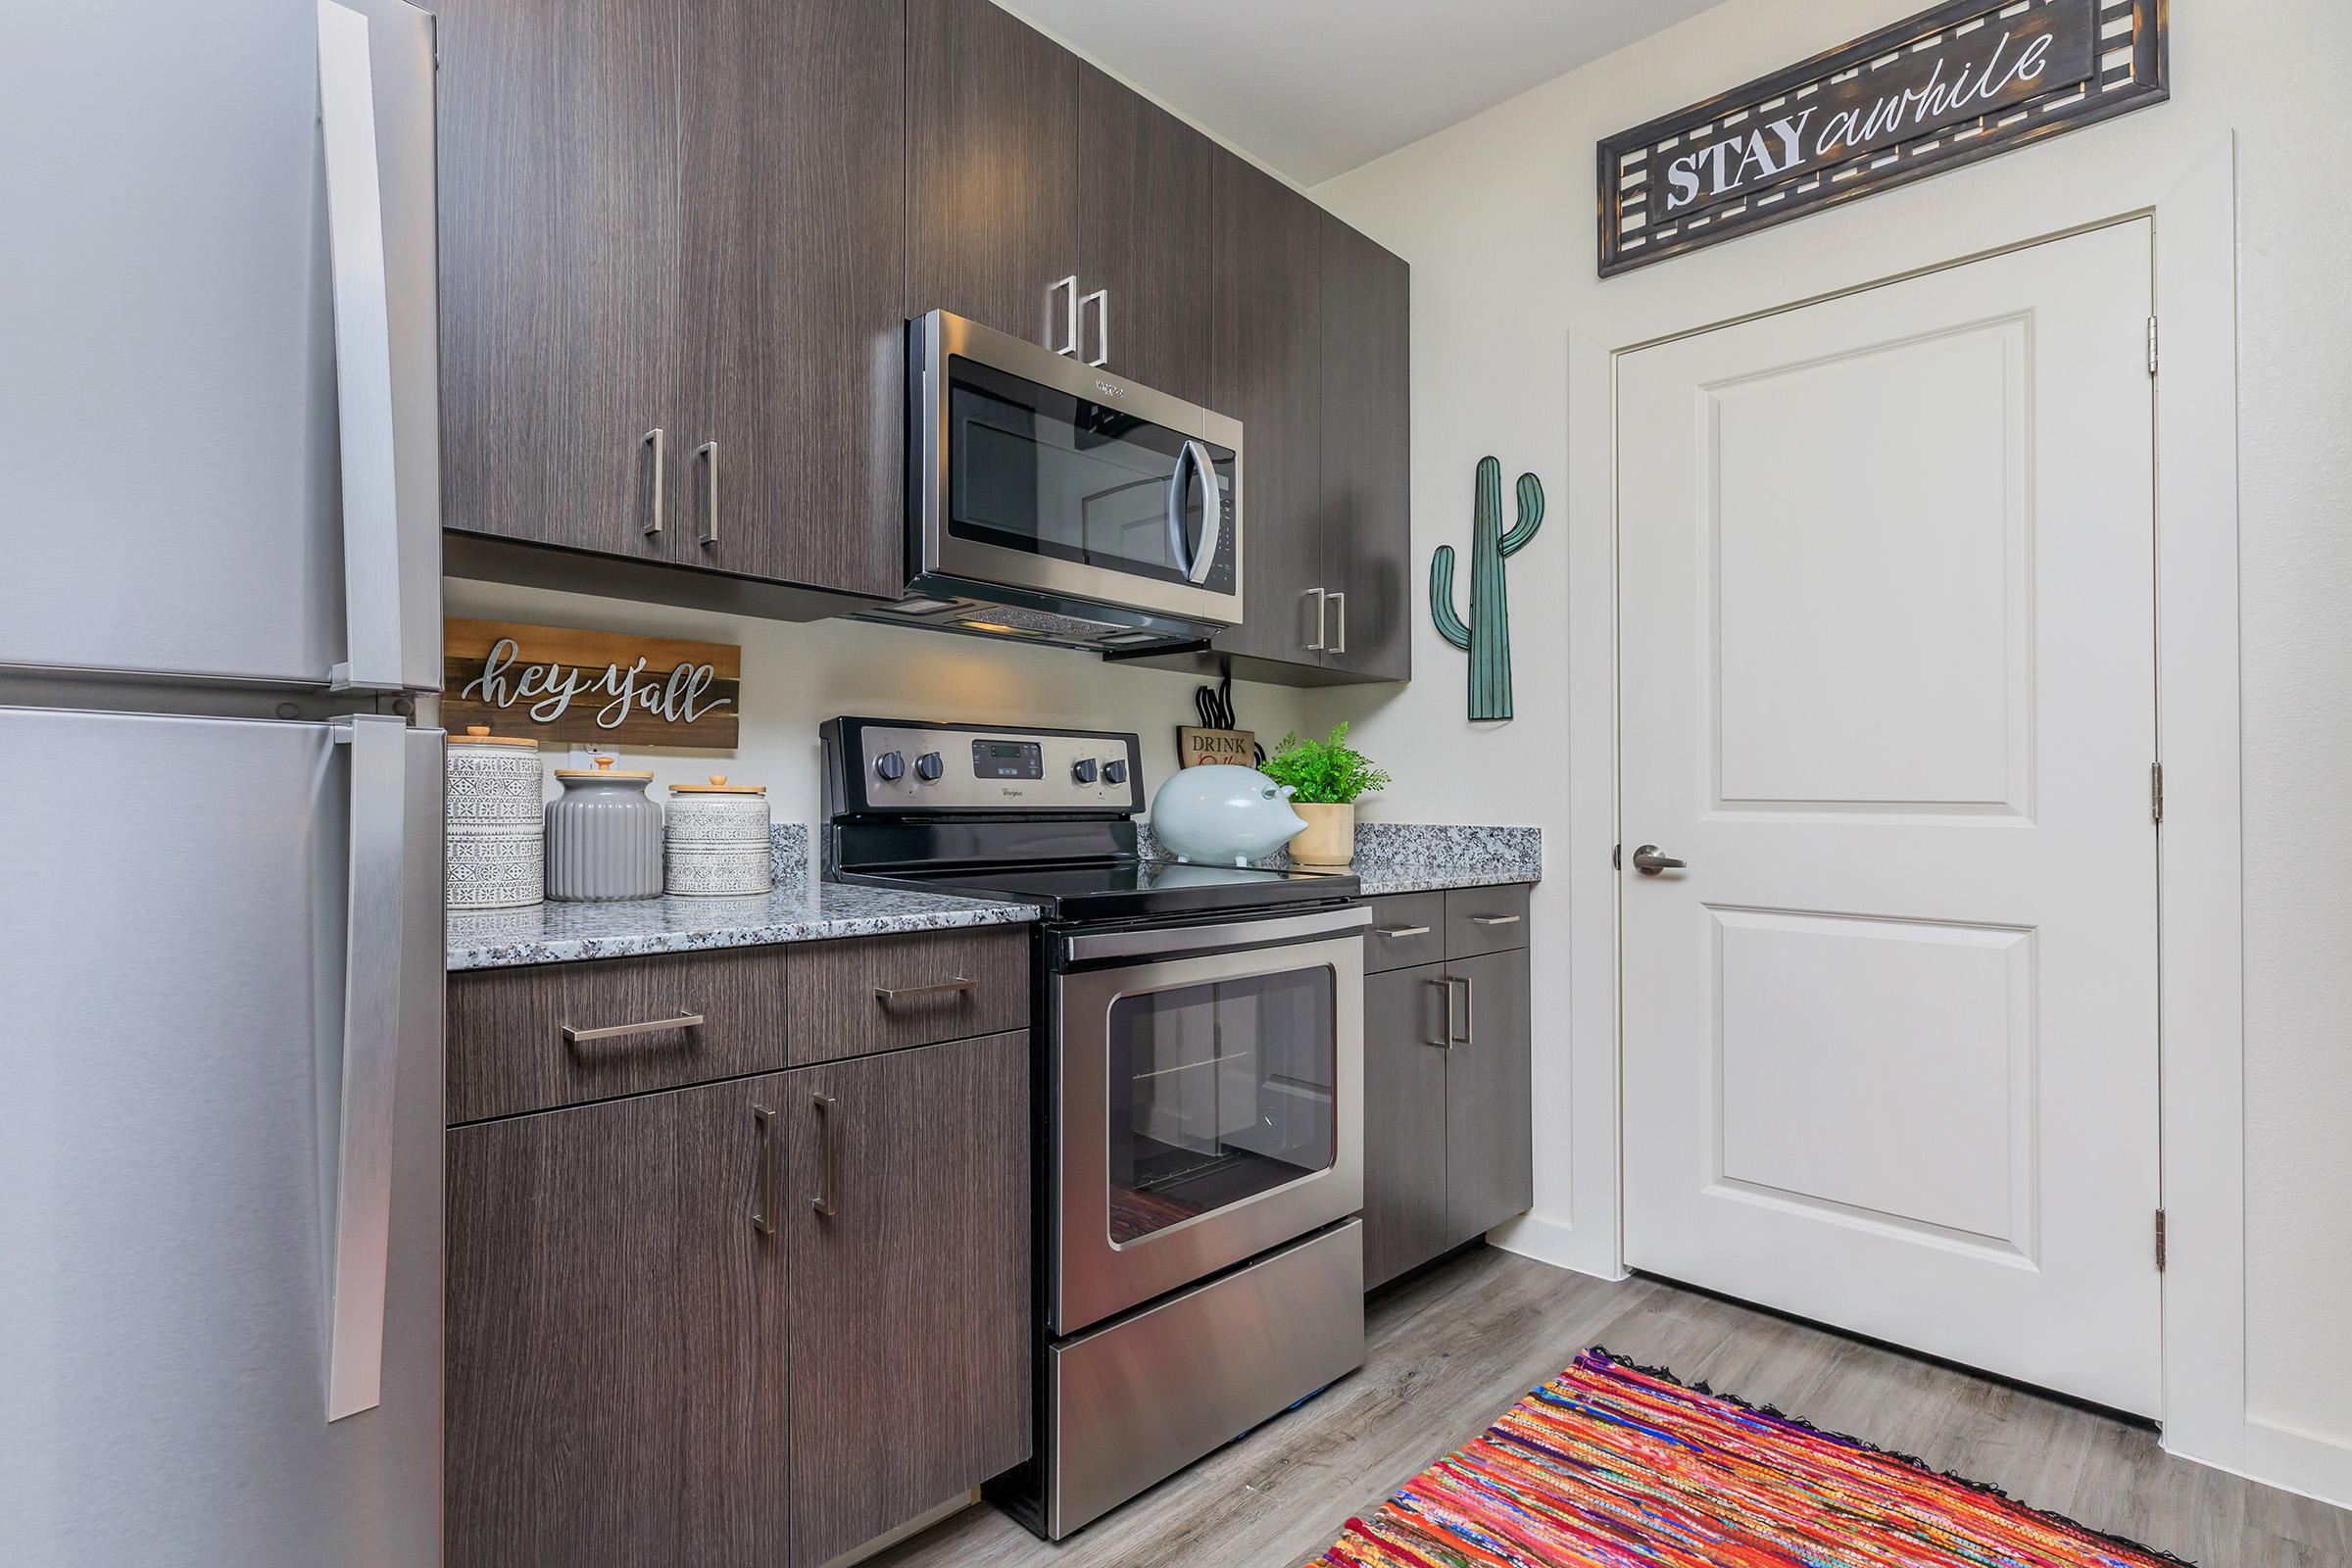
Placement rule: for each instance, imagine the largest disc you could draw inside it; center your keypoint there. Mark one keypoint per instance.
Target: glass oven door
(1207, 1108)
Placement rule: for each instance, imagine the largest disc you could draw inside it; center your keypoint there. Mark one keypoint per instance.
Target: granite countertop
(802, 908)
(1424, 857)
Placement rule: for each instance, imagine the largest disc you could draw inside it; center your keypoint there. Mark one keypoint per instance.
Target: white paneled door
(1887, 621)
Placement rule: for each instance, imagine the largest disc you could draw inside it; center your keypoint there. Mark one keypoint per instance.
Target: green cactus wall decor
(1487, 637)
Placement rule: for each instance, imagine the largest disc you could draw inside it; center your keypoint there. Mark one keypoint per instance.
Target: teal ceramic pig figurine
(1223, 815)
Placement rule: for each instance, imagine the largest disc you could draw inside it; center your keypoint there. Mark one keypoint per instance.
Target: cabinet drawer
(559, 1034)
(1485, 920)
(1408, 928)
(856, 996)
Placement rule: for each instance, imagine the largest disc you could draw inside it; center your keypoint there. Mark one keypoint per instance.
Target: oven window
(1218, 1093)
(1035, 469)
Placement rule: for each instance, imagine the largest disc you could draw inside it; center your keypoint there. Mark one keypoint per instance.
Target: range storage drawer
(1408, 928)
(561, 1033)
(860, 995)
(1485, 920)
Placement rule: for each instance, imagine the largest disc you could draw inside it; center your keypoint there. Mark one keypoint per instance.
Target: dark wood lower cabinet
(1449, 1127)
(614, 1392)
(1404, 1121)
(907, 1223)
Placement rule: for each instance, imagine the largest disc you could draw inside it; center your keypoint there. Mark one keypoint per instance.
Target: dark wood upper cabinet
(686, 218)
(561, 217)
(1146, 218)
(617, 1394)
(1367, 456)
(909, 1234)
(992, 169)
(792, 415)
(1268, 374)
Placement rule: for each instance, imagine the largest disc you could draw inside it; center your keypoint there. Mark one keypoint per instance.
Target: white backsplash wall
(796, 676)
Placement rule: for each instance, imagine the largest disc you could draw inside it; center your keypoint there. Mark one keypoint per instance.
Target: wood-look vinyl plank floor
(1452, 1350)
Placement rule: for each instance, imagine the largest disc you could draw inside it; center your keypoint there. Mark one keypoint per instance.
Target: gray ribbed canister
(604, 836)
(494, 824)
(717, 841)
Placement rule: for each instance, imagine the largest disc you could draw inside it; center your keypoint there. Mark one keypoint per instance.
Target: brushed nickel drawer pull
(654, 1027)
(1495, 919)
(887, 994)
(764, 1205)
(1392, 932)
(827, 1200)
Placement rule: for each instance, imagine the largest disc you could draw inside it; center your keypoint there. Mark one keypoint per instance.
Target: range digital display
(1008, 759)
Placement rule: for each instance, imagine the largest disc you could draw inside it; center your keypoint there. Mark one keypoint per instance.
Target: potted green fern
(1327, 776)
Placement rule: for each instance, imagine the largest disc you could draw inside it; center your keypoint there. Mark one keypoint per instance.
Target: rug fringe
(2104, 1537)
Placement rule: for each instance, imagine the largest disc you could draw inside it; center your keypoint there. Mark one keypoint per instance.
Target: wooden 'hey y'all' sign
(590, 688)
(1959, 82)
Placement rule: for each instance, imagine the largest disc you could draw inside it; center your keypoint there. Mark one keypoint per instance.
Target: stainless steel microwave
(1049, 500)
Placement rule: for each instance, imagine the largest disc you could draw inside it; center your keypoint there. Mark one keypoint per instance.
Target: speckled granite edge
(1422, 857)
(797, 912)
(788, 853)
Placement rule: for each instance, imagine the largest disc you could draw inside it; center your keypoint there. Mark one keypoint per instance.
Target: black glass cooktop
(1121, 890)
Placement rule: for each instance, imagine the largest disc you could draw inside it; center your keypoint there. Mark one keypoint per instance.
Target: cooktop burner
(1045, 816)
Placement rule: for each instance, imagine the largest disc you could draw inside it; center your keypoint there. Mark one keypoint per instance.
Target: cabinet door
(1405, 1222)
(795, 284)
(908, 1222)
(616, 1389)
(1147, 217)
(1367, 471)
(1269, 375)
(991, 130)
(1490, 1132)
(561, 272)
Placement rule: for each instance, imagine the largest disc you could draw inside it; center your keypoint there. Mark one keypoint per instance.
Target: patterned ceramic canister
(718, 841)
(495, 829)
(603, 837)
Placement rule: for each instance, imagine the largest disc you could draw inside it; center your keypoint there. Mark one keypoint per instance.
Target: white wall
(797, 676)
(1496, 218)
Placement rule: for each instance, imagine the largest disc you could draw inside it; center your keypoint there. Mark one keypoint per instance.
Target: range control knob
(1115, 771)
(1083, 770)
(890, 767)
(929, 766)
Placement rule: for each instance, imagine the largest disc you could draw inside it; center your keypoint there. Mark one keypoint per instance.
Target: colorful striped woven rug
(1610, 1465)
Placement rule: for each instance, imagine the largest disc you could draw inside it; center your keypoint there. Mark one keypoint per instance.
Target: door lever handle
(1649, 862)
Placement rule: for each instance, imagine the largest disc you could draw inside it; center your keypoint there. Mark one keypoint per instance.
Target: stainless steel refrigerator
(220, 939)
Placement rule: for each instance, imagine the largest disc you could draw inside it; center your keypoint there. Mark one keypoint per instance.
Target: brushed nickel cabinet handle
(1495, 919)
(1394, 931)
(1339, 646)
(827, 1200)
(616, 1031)
(655, 439)
(888, 994)
(1469, 1034)
(1100, 299)
(763, 1202)
(709, 453)
(1445, 1040)
(1069, 289)
(1322, 616)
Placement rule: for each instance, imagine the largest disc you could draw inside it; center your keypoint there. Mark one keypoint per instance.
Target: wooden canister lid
(603, 768)
(719, 785)
(479, 735)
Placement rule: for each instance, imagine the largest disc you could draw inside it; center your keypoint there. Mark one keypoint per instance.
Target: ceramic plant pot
(495, 830)
(1222, 815)
(1329, 840)
(603, 837)
(717, 843)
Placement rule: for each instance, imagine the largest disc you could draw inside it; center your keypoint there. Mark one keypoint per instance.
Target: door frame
(2200, 888)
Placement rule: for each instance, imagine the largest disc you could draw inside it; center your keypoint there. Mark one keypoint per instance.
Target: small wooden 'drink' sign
(1200, 748)
(1959, 82)
(590, 688)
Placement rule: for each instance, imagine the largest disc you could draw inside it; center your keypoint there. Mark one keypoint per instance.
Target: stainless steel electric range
(1199, 1039)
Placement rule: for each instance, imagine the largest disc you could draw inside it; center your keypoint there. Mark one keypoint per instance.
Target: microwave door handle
(1212, 522)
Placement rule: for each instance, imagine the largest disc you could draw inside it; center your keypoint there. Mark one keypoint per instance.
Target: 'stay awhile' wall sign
(589, 688)
(1950, 86)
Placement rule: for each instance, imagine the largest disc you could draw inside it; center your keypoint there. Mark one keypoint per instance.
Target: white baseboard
(2307, 1462)
(1551, 1241)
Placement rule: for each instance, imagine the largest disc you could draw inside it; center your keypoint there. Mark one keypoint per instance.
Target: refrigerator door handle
(386, 358)
(374, 922)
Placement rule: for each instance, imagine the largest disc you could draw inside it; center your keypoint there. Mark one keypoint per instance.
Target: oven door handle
(1195, 456)
(1200, 939)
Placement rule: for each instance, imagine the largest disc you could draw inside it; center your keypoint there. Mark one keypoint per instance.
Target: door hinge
(2152, 345)
(2159, 1241)
(2156, 792)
